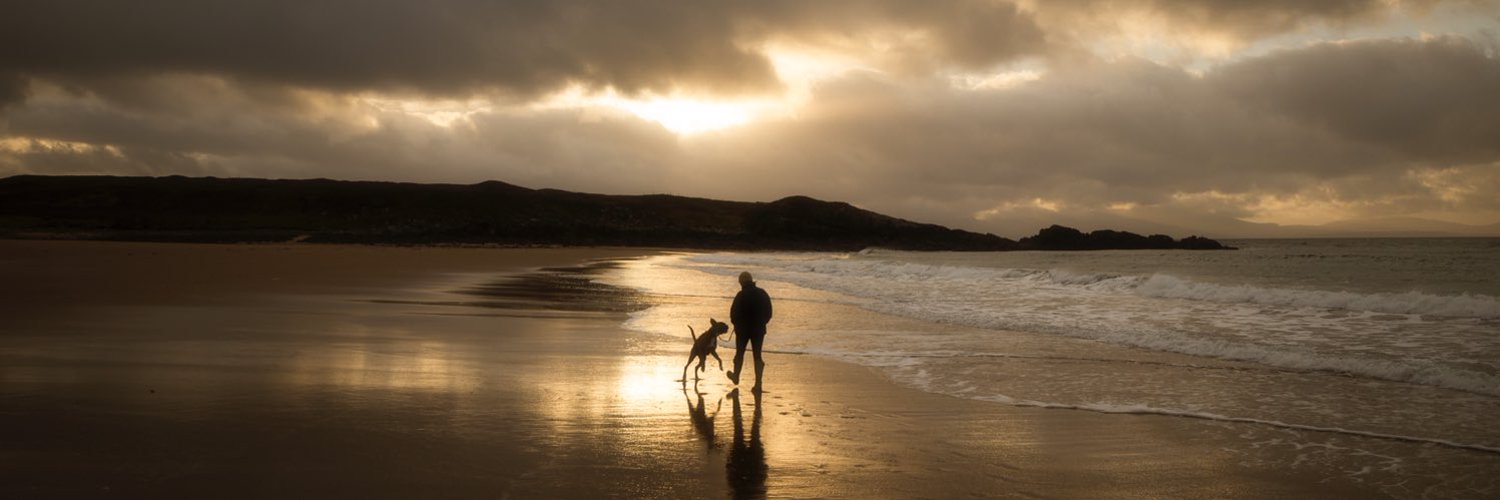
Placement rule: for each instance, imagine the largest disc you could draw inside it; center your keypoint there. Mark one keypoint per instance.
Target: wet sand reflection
(746, 467)
(703, 422)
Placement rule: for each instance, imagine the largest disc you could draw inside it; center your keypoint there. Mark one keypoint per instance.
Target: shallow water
(165, 371)
(1389, 339)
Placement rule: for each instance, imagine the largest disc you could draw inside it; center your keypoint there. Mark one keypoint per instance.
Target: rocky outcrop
(1066, 238)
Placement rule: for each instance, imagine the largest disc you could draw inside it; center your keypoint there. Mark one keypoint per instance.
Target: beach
(294, 371)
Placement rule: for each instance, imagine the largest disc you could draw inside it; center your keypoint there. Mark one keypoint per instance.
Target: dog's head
(716, 328)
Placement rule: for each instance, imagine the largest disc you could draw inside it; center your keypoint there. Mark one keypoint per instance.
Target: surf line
(1146, 410)
(949, 355)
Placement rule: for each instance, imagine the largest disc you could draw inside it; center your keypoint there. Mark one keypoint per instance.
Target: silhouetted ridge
(812, 223)
(320, 210)
(1058, 237)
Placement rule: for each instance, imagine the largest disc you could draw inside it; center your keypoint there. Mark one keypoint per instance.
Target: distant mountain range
(261, 210)
(1407, 226)
(1379, 227)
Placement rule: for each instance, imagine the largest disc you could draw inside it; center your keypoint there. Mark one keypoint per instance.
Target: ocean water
(1394, 339)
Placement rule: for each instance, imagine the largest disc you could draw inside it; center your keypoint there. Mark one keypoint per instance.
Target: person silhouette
(750, 313)
(745, 467)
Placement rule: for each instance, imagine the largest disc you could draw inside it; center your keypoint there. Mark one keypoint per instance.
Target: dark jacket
(751, 310)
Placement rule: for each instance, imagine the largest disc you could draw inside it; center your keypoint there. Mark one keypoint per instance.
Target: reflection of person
(750, 313)
(746, 465)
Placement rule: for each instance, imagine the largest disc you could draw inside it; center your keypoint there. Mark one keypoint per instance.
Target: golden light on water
(646, 380)
(384, 358)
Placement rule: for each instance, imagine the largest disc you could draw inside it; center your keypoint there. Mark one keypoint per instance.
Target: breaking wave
(1411, 337)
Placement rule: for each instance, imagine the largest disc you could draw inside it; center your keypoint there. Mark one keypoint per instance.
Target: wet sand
(274, 371)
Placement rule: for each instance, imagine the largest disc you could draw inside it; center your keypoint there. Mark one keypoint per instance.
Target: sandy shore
(150, 370)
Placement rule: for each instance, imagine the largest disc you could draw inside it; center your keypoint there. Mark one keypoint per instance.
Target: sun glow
(680, 114)
(687, 114)
(691, 116)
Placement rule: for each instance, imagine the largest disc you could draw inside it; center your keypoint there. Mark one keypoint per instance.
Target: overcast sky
(1217, 117)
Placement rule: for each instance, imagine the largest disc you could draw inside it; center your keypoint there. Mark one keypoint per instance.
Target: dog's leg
(715, 354)
(685, 368)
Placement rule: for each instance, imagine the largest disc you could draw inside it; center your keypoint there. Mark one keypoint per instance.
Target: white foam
(1155, 285)
(1462, 305)
(1134, 409)
(1170, 314)
(1288, 343)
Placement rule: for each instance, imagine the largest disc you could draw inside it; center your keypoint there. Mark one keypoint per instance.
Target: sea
(1393, 340)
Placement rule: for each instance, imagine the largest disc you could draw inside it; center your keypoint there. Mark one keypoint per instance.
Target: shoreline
(211, 380)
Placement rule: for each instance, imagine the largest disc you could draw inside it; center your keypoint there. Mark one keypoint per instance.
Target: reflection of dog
(703, 421)
(704, 346)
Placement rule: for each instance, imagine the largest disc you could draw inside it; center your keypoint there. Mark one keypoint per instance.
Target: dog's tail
(693, 333)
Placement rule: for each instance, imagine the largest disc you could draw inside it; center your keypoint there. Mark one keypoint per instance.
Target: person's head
(745, 279)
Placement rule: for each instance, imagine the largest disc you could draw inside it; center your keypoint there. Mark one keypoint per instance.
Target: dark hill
(231, 210)
(244, 210)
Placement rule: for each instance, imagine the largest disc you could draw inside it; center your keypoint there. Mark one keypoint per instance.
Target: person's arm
(767, 300)
(737, 309)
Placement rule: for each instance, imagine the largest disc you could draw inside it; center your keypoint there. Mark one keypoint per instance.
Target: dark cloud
(965, 33)
(461, 47)
(1433, 101)
(13, 88)
(1382, 127)
(1233, 18)
(210, 126)
(1264, 16)
(439, 47)
(1289, 126)
(975, 34)
(1130, 129)
(180, 114)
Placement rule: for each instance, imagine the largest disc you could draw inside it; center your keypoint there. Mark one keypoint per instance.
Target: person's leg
(739, 357)
(760, 366)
